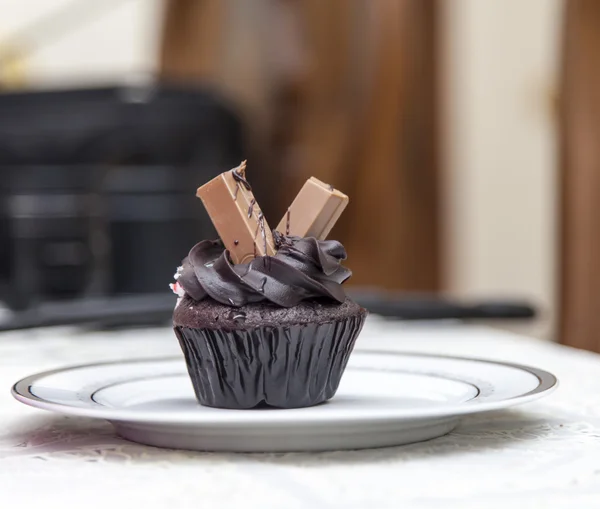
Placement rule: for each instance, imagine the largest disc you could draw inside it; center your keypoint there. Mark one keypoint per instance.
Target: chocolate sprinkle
(237, 316)
(251, 206)
(261, 223)
(256, 235)
(237, 176)
(240, 179)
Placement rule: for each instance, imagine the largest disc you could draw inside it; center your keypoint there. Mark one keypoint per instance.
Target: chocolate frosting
(302, 268)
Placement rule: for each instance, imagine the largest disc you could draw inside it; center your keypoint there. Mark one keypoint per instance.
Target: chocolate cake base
(212, 314)
(284, 358)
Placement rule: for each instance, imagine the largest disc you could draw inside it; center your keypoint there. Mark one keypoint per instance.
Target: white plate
(385, 398)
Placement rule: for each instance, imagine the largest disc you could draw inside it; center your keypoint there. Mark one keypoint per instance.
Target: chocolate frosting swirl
(302, 268)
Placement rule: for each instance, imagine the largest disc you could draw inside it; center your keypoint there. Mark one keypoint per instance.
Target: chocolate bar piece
(314, 211)
(229, 201)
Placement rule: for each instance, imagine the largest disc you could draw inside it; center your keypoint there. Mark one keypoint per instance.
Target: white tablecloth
(545, 454)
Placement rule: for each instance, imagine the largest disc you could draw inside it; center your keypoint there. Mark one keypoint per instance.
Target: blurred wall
(77, 42)
(500, 67)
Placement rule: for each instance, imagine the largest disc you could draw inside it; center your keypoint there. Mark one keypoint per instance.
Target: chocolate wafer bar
(231, 205)
(314, 211)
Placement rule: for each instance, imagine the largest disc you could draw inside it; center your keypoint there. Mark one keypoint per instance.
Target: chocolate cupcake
(276, 330)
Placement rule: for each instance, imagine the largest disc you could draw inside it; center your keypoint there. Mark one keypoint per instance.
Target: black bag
(96, 187)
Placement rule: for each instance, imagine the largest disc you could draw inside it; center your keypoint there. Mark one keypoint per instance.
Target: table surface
(544, 454)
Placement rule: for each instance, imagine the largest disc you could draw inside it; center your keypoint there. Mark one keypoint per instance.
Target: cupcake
(275, 329)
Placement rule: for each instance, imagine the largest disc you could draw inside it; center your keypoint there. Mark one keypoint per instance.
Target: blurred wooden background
(346, 91)
(343, 90)
(580, 176)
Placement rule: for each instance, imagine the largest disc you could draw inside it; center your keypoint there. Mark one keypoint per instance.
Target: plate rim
(547, 383)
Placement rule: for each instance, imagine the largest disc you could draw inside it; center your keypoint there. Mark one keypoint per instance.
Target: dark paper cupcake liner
(284, 367)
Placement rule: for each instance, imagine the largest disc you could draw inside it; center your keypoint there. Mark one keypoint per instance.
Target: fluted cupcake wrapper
(285, 367)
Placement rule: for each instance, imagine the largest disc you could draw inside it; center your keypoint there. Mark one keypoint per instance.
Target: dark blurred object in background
(96, 195)
(424, 306)
(97, 205)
